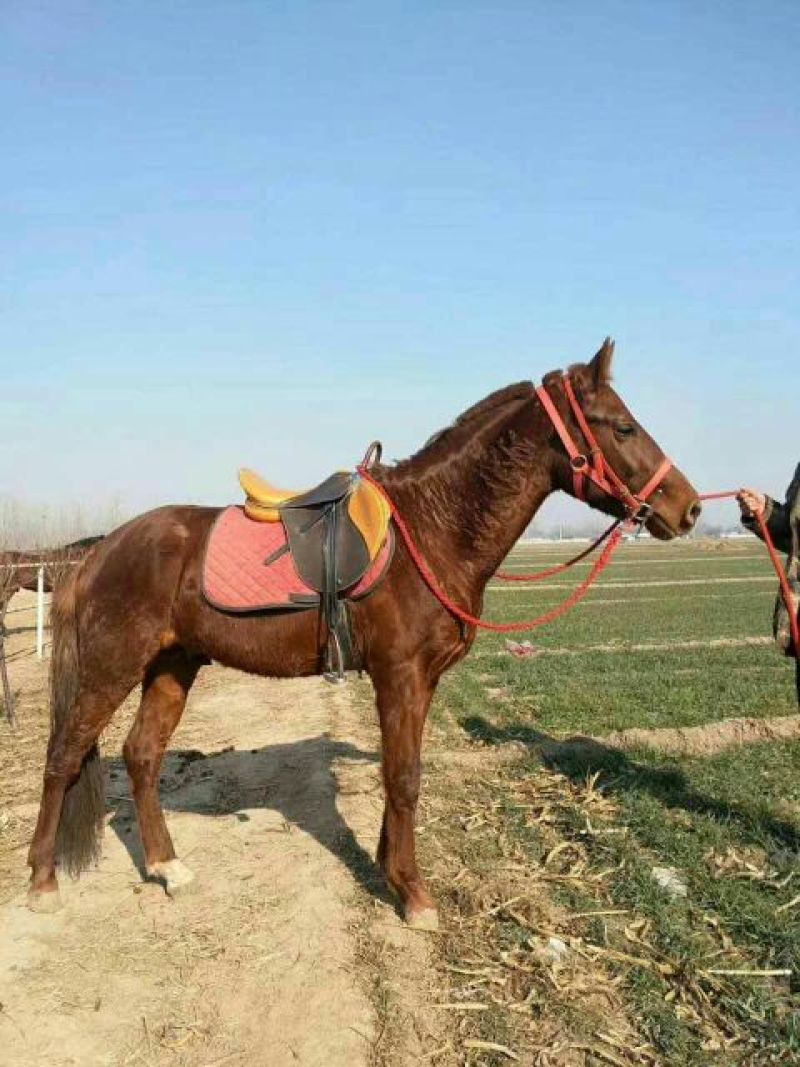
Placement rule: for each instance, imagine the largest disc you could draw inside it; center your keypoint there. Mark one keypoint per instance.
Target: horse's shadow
(297, 780)
(578, 756)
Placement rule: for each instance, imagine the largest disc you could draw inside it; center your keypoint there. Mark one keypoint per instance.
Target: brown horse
(135, 613)
(20, 570)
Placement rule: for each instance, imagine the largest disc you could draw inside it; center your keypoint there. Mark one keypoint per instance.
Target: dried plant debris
(539, 960)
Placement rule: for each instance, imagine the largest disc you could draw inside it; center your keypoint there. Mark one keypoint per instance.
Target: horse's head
(626, 447)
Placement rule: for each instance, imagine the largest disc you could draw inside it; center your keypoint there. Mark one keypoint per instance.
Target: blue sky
(266, 233)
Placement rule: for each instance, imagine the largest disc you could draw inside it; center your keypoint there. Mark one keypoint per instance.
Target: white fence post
(40, 614)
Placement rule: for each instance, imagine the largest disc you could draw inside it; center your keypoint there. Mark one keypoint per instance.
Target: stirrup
(337, 676)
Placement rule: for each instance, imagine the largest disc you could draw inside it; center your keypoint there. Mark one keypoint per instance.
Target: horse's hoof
(175, 876)
(424, 919)
(44, 902)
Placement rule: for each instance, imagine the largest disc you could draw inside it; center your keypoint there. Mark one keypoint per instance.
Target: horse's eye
(624, 429)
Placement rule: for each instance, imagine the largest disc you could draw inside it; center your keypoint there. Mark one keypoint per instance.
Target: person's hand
(751, 502)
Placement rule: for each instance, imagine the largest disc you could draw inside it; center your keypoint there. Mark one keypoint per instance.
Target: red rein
(590, 464)
(600, 565)
(598, 471)
(559, 568)
(614, 533)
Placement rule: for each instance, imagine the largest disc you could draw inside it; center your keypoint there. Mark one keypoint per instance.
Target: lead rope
(786, 595)
(559, 568)
(614, 534)
(783, 581)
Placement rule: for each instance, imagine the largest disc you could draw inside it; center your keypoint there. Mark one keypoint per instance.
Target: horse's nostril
(693, 512)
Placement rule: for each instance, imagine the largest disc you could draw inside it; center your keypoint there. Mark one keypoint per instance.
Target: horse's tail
(83, 811)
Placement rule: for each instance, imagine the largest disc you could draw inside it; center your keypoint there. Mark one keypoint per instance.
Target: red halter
(595, 466)
(598, 472)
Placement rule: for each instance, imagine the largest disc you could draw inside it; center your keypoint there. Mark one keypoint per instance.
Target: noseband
(591, 464)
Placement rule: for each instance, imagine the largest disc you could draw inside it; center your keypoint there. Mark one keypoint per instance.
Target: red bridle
(592, 464)
(598, 471)
(604, 477)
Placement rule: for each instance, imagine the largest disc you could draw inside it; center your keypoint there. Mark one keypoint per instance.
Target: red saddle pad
(236, 578)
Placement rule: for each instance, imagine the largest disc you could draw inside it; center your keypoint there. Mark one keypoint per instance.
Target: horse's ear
(600, 365)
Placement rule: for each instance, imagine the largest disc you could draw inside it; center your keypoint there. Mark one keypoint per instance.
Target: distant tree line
(26, 526)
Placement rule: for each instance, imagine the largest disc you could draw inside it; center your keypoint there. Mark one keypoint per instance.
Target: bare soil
(287, 950)
(708, 739)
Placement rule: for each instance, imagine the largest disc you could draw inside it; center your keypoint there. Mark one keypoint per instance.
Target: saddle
(366, 508)
(334, 533)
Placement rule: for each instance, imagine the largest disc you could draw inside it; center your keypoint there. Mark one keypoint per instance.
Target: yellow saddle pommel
(365, 505)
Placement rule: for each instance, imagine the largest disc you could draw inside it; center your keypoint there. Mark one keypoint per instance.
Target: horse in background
(20, 570)
(23, 566)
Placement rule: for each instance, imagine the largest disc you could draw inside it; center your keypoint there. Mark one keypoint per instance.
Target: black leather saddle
(334, 532)
(327, 547)
(330, 555)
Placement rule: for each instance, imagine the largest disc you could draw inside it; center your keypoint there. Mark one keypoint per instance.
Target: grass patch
(569, 850)
(596, 693)
(524, 851)
(634, 614)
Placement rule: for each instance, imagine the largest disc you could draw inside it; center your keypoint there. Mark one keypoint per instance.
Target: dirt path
(273, 798)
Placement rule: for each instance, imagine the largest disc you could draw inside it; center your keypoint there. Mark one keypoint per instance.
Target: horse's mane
(500, 398)
(459, 466)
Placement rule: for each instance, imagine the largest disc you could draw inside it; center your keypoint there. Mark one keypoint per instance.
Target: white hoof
(176, 876)
(44, 903)
(427, 919)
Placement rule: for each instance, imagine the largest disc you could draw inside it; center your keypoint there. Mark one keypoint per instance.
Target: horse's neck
(470, 511)
(506, 508)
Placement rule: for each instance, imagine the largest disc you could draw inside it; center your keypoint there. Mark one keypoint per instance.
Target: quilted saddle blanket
(247, 567)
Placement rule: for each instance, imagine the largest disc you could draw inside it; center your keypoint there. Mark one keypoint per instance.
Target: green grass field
(598, 691)
(728, 822)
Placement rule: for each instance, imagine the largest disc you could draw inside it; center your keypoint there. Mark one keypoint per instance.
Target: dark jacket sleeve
(778, 524)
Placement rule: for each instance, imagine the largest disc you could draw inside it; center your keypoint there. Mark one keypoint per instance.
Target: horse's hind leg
(164, 692)
(71, 755)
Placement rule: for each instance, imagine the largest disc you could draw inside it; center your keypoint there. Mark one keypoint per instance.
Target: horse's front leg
(403, 698)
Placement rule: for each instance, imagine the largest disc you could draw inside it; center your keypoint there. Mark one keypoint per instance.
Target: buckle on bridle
(579, 464)
(642, 514)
